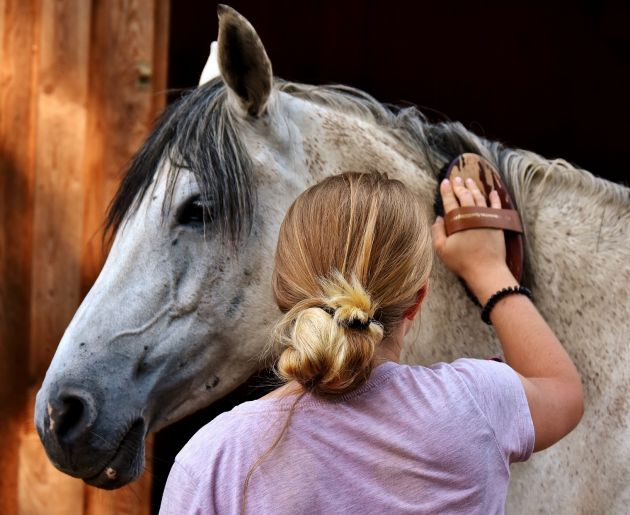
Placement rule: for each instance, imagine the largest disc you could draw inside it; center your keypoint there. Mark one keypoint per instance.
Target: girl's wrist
(485, 283)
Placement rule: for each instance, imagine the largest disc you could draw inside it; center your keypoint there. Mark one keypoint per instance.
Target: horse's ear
(211, 69)
(243, 62)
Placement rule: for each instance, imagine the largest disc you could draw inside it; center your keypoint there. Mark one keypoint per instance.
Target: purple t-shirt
(413, 439)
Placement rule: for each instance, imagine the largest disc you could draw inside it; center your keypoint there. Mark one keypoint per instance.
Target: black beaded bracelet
(510, 290)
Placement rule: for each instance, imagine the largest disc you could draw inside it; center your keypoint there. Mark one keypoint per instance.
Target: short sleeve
(499, 394)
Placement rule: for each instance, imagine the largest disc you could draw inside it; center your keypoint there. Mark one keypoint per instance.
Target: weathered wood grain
(59, 178)
(121, 110)
(18, 28)
(60, 121)
(160, 54)
(80, 83)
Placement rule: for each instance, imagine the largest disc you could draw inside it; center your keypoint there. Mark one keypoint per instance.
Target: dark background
(551, 77)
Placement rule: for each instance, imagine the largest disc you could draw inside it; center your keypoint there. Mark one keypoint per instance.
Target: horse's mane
(529, 176)
(198, 132)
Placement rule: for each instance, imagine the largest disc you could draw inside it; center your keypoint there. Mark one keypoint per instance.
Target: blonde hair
(353, 253)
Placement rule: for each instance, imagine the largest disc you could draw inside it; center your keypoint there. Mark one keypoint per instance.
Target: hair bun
(321, 353)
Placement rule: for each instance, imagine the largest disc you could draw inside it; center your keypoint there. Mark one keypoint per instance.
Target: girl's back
(412, 439)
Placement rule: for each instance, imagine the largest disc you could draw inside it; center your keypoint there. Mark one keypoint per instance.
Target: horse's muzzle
(85, 443)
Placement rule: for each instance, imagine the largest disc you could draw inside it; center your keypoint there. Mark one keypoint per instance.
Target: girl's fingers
(480, 200)
(456, 193)
(448, 198)
(461, 192)
(495, 201)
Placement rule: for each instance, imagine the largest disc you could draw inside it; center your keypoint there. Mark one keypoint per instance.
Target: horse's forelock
(197, 133)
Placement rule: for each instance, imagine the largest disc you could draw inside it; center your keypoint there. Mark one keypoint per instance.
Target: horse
(182, 308)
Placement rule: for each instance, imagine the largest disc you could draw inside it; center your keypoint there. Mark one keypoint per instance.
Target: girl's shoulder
(221, 438)
(467, 373)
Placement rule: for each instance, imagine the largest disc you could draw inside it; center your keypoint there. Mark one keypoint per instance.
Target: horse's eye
(191, 213)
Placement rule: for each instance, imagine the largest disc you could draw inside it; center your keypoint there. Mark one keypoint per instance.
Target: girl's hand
(473, 254)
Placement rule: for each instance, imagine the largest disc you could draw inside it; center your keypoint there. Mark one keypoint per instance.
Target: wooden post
(18, 72)
(80, 84)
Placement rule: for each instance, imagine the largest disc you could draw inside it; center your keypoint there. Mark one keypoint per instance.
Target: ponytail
(327, 343)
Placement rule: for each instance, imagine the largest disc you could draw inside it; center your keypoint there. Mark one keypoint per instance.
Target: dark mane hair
(197, 133)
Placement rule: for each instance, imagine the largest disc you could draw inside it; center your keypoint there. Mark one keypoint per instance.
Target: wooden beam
(160, 54)
(61, 117)
(80, 83)
(59, 176)
(18, 71)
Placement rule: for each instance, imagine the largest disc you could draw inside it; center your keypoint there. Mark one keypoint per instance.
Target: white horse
(183, 305)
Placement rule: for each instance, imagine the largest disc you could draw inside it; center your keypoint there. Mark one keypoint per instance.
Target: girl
(352, 430)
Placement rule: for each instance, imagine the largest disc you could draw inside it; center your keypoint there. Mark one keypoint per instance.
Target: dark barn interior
(548, 77)
(551, 77)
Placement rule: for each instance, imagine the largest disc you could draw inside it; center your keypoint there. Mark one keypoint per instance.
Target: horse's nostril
(71, 415)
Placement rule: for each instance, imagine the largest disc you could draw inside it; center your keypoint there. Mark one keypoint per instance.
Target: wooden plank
(42, 488)
(160, 55)
(59, 183)
(63, 114)
(18, 29)
(61, 100)
(4, 5)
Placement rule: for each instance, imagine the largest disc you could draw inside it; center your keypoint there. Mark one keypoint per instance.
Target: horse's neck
(351, 143)
(577, 229)
(564, 210)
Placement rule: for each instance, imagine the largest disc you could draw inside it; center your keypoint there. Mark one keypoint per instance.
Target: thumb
(438, 233)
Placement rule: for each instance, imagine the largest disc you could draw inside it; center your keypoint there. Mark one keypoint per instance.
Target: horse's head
(182, 307)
